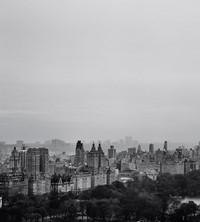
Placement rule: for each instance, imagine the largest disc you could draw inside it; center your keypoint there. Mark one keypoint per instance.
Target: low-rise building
(62, 184)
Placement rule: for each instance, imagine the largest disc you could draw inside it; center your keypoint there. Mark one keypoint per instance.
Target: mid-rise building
(62, 184)
(82, 181)
(132, 150)
(40, 186)
(12, 184)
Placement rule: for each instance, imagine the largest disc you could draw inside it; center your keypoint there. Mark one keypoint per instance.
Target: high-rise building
(111, 152)
(22, 154)
(80, 154)
(96, 158)
(132, 150)
(151, 148)
(37, 161)
(14, 161)
(44, 160)
(139, 149)
(165, 146)
(33, 162)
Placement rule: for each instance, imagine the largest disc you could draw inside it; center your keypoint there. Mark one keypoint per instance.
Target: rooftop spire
(93, 148)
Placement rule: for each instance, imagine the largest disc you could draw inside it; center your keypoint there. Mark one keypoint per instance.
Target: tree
(42, 211)
(103, 207)
(82, 207)
(71, 209)
(185, 212)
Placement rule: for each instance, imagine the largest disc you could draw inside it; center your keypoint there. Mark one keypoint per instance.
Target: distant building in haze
(111, 152)
(139, 149)
(165, 145)
(132, 150)
(151, 148)
(128, 141)
(19, 143)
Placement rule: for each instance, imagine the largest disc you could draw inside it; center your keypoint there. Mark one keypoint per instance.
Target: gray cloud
(99, 69)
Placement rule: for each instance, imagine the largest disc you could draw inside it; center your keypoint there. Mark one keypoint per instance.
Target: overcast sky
(99, 69)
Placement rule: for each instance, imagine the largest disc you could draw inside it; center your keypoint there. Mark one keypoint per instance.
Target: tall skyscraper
(33, 162)
(14, 161)
(80, 154)
(96, 158)
(37, 161)
(44, 160)
(22, 154)
(111, 152)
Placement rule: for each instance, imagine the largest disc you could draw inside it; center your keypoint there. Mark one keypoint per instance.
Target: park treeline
(139, 200)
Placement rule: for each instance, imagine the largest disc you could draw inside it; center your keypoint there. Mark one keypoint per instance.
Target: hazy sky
(88, 69)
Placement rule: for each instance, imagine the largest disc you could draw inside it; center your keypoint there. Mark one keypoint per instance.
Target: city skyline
(96, 70)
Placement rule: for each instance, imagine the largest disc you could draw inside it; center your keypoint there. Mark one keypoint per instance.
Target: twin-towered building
(96, 158)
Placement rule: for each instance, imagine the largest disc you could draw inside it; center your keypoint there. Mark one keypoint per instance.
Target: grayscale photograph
(99, 111)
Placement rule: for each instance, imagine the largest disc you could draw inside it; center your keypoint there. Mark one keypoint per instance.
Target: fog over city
(97, 70)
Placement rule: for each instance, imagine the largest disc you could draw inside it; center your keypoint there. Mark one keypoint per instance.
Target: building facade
(80, 154)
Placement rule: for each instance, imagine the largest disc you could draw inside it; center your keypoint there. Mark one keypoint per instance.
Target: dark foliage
(140, 200)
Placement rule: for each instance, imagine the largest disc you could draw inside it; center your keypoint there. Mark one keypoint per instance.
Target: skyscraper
(22, 154)
(139, 149)
(165, 146)
(33, 162)
(37, 161)
(14, 161)
(44, 160)
(80, 154)
(151, 148)
(96, 158)
(111, 152)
